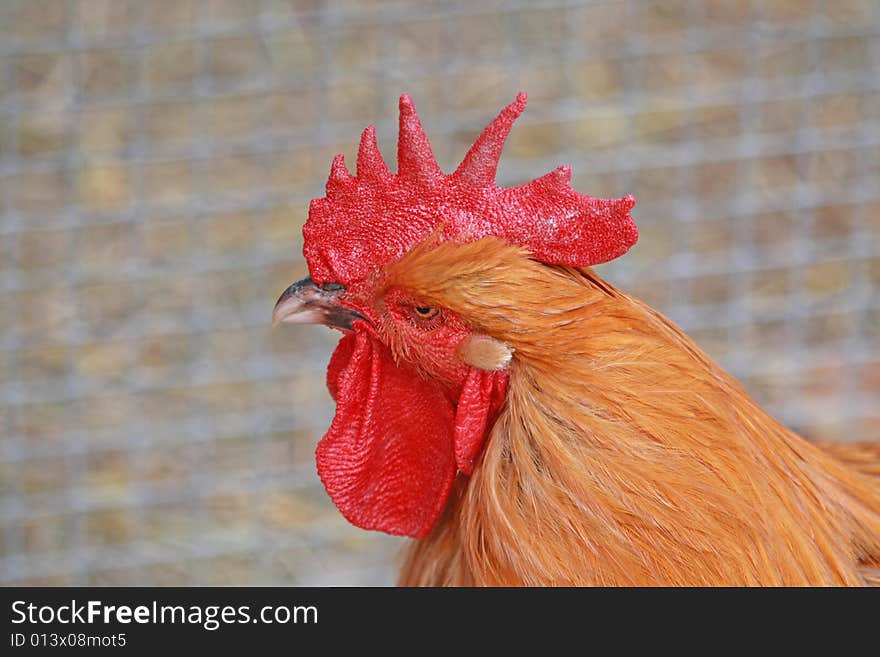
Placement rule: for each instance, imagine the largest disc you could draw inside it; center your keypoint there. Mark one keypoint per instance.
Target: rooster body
(529, 424)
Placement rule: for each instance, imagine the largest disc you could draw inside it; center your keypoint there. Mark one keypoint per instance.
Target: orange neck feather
(625, 456)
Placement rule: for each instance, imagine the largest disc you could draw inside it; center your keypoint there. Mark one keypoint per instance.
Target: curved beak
(304, 302)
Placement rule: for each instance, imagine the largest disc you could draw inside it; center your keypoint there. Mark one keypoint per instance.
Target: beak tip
(285, 311)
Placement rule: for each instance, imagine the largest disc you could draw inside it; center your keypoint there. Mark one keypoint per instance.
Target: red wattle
(481, 397)
(388, 460)
(396, 442)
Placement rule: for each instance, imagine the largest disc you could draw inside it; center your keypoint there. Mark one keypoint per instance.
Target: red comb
(370, 219)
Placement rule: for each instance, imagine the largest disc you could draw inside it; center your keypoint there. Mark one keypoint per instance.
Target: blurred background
(157, 158)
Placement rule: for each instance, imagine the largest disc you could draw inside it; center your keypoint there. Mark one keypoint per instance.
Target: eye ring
(426, 312)
(426, 317)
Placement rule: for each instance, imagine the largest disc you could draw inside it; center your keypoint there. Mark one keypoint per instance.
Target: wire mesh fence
(156, 163)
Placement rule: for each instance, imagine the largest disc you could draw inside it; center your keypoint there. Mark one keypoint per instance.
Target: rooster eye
(426, 317)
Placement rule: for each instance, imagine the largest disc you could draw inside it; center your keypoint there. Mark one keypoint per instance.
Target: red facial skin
(429, 343)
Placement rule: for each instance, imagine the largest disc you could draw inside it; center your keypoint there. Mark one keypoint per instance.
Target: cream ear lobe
(485, 353)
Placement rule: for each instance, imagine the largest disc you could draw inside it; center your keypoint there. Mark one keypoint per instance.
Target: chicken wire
(156, 163)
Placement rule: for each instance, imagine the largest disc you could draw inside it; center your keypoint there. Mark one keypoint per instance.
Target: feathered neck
(628, 457)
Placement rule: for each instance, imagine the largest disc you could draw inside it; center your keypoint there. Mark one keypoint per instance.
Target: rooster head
(417, 378)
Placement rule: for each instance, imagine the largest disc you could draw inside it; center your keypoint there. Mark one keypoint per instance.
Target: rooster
(527, 422)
